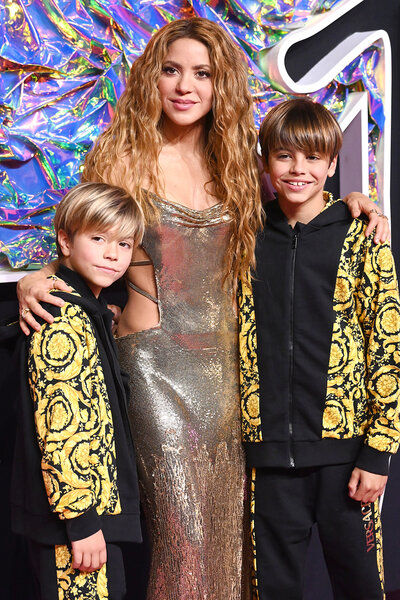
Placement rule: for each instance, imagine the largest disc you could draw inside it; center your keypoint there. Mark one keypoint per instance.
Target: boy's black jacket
(319, 336)
(31, 514)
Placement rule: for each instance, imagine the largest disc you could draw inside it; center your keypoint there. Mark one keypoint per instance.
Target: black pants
(53, 572)
(285, 505)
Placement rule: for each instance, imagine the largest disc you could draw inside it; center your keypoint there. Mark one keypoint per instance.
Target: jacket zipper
(291, 350)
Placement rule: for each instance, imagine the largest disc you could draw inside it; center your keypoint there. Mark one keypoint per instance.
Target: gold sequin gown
(184, 413)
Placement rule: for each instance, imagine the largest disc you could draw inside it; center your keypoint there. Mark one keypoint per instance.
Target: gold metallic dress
(184, 413)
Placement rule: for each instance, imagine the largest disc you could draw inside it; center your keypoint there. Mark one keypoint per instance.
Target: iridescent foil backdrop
(64, 63)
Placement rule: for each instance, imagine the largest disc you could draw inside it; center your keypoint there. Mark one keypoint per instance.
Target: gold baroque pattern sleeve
(249, 377)
(72, 416)
(363, 375)
(380, 313)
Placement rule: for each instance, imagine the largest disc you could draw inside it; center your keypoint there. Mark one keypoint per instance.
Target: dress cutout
(184, 413)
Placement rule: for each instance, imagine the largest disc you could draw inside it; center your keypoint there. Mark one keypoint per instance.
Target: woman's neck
(183, 167)
(189, 140)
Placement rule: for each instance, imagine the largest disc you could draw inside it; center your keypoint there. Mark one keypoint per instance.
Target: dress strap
(142, 292)
(140, 263)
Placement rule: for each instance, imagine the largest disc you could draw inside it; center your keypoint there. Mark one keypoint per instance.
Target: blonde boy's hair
(300, 124)
(99, 206)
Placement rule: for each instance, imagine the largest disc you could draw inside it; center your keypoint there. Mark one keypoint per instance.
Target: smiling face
(299, 179)
(185, 84)
(99, 257)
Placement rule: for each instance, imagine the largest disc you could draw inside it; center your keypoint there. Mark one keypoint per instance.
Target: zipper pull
(294, 241)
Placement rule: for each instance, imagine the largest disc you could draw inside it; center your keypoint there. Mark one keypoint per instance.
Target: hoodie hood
(335, 211)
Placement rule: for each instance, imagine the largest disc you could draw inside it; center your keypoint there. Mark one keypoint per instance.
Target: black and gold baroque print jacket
(319, 345)
(78, 416)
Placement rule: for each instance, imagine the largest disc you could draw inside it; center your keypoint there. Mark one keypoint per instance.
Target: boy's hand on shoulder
(365, 486)
(90, 553)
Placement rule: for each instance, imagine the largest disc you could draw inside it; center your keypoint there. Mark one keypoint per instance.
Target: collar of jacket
(335, 211)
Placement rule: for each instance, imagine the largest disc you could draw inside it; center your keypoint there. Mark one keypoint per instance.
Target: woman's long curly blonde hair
(126, 154)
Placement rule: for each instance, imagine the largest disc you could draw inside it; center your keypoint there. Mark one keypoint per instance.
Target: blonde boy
(75, 491)
(319, 341)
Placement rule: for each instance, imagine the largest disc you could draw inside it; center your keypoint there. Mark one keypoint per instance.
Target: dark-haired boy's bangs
(300, 135)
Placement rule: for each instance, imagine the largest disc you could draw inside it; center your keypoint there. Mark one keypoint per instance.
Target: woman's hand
(35, 288)
(357, 204)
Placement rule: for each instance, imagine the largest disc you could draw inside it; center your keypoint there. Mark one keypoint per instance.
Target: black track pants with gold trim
(55, 579)
(285, 503)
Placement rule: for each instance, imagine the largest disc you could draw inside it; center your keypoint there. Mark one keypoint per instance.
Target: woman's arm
(358, 203)
(33, 289)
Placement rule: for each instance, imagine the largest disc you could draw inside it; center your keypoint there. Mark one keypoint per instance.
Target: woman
(183, 141)
(193, 152)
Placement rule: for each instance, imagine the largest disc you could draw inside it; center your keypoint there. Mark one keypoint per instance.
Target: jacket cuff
(81, 527)
(373, 461)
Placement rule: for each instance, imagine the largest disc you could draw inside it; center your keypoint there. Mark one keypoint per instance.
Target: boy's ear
(332, 167)
(64, 242)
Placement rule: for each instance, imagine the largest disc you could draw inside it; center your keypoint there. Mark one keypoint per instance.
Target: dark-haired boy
(319, 343)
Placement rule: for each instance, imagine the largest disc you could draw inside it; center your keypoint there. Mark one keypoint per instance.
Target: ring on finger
(24, 312)
(54, 278)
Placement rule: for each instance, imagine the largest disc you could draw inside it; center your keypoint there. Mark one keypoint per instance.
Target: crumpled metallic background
(64, 63)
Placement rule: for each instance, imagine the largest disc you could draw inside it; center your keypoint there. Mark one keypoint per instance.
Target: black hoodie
(99, 381)
(316, 361)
